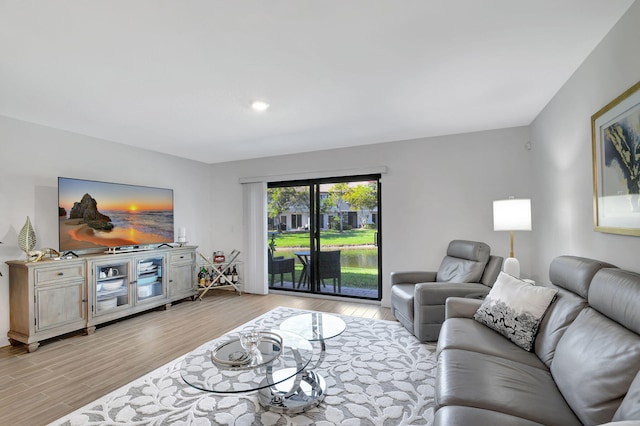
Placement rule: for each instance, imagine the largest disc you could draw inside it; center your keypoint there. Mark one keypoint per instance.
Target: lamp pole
(511, 243)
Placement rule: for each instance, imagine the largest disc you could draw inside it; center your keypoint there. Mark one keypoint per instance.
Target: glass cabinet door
(112, 286)
(149, 282)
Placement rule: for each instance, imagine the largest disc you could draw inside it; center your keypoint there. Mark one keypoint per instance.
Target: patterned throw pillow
(514, 308)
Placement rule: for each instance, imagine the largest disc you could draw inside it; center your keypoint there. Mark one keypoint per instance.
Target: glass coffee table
(308, 388)
(225, 366)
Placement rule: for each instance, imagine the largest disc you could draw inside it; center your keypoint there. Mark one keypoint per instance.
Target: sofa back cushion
(464, 263)
(491, 271)
(572, 276)
(616, 294)
(598, 356)
(562, 312)
(630, 407)
(575, 273)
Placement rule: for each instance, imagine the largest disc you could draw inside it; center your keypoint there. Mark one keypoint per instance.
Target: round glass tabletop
(315, 326)
(224, 366)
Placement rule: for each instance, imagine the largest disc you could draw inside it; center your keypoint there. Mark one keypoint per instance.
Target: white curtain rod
(315, 175)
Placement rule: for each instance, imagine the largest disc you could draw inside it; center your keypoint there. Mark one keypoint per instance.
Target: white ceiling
(178, 77)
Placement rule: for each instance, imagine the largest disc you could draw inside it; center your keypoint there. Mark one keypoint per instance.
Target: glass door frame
(315, 227)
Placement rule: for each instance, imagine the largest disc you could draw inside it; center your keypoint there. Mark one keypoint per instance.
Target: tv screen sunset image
(96, 214)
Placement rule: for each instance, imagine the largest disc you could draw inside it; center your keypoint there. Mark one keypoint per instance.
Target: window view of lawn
(353, 237)
(359, 254)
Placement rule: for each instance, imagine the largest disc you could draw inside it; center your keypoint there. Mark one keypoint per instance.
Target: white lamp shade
(512, 215)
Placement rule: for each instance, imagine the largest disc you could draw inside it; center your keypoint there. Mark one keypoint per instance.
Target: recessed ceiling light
(259, 105)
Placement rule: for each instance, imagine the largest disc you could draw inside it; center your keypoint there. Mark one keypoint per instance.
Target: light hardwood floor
(67, 373)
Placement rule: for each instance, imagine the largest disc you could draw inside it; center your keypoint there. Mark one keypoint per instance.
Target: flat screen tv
(96, 215)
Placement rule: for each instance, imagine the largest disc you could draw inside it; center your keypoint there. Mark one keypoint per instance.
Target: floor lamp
(512, 215)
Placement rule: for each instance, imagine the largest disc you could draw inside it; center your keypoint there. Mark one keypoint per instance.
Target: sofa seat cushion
(465, 416)
(468, 334)
(493, 383)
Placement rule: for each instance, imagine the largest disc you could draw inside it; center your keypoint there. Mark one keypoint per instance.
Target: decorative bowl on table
(251, 351)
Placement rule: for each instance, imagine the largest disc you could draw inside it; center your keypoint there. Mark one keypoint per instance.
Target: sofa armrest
(438, 292)
(412, 277)
(461, 307)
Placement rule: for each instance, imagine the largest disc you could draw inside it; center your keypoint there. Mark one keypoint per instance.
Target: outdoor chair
(418, 297)
(280, 265)
(330, 268)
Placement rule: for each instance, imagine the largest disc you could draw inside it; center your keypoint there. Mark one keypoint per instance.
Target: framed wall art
(615, 133)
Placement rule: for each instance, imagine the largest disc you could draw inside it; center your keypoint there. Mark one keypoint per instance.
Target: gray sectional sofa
(583, 368)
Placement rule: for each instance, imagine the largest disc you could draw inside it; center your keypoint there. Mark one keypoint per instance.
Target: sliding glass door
(324, 236)
(289, 221)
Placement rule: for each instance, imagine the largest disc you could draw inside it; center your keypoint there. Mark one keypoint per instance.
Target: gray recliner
(418, 297)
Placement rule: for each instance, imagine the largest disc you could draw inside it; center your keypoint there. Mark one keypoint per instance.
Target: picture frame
(615, 131)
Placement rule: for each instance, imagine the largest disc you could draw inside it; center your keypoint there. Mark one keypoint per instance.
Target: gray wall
(562, 159)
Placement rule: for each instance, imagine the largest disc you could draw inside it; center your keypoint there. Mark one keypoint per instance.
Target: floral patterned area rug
(377, 373)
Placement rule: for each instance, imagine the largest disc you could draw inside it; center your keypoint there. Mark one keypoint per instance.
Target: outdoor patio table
(305, 259)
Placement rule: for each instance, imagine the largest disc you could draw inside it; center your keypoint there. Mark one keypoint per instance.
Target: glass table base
(295, 395)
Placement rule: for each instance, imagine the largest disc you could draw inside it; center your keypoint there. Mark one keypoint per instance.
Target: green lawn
(357, 270)
(360, 278)
(353, 237)
(352, 277)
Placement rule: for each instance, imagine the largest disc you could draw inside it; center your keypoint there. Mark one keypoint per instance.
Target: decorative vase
(27, 237)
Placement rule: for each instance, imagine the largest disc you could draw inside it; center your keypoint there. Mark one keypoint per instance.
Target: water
(359, 258)
(146, 221)
(349, 257)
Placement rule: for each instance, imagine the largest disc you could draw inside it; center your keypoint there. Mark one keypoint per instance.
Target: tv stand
(51, 298)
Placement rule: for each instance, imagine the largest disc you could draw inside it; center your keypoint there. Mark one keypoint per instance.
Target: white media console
(54, 297)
